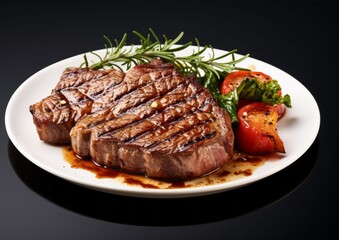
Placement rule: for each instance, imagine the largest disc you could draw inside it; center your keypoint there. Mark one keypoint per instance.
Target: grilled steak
(71, 99)
(163, 125)
(151, 120)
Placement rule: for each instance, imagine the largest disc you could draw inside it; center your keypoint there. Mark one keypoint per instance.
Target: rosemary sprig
(151, 47)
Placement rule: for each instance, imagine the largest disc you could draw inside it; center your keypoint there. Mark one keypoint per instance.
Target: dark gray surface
(300, 202)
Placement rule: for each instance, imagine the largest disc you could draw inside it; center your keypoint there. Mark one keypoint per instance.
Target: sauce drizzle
(240, 166)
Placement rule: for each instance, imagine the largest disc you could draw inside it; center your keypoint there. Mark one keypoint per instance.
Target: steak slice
(158, 123)
(72, 98)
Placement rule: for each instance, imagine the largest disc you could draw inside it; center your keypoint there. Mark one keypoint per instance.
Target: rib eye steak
(151, 120)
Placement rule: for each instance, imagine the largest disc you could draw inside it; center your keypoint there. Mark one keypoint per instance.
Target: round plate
(298, 129)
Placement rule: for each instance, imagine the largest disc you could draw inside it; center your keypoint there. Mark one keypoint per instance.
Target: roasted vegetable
(256, 132)
(243, 87)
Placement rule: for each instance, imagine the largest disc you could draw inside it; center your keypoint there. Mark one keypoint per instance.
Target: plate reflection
(163, 212)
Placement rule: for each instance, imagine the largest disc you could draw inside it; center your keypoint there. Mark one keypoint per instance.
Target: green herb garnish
(199, 62)
(266, 92)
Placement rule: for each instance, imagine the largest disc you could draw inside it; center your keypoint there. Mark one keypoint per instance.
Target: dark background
(300, 202)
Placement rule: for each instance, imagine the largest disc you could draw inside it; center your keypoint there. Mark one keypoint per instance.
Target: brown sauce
(241, 166)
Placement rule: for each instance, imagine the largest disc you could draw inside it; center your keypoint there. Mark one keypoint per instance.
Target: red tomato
(234, 79)
(256, 132)
(280, 107)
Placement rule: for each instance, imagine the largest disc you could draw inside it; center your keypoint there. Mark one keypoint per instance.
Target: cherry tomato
(256, 132)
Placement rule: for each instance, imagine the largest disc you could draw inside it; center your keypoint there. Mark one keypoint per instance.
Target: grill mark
(163, 103)
(95, 88)
(157, 145)
(130, 85)
(74, 96)
(101, 116)
(50, 103)
(71, 89)
(87, 82)
(144, 111)
(141, 95)
(73, 78)
(106, 114)
(50, 109)
(163, 132)
(119, 111)
(193, 110)
(197, 140)
(159, 117)
(182, 142)
(76, 77)
(123, 109)
(77, 101)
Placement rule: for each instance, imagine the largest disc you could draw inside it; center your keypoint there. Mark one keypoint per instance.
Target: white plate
(298, 129)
